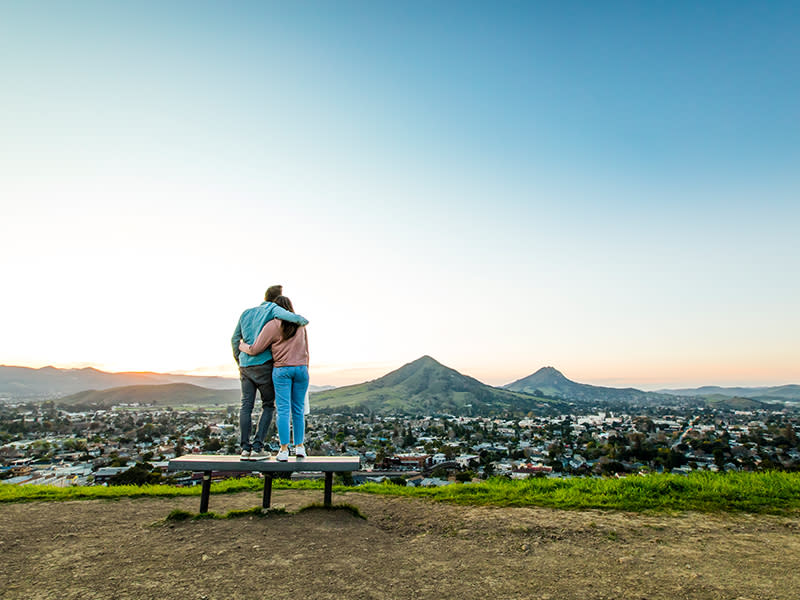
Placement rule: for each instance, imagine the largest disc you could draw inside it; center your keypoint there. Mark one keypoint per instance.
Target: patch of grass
(767, 492)
(206, 515)
(273, 510)
(256, 511)
(179, 515)
(353, 510)
(246, 512)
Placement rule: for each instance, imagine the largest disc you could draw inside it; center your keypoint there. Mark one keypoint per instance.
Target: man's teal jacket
(250, 325)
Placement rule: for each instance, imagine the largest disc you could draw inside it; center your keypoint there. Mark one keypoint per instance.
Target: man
(255, 372)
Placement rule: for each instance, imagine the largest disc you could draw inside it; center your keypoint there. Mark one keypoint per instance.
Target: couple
(275, 363)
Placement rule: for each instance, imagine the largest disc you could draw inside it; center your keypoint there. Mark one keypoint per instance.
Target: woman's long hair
(287, 329)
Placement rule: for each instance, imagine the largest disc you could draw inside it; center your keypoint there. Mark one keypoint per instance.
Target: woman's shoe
(283, 455)
(300, 451)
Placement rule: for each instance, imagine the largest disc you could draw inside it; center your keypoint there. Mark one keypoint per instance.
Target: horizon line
(612, 382)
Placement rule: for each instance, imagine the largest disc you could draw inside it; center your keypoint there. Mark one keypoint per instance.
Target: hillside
(171, 394)
(425, 386)
(548, 381)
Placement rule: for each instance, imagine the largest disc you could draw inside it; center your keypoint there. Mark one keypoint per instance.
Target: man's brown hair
(273, 292)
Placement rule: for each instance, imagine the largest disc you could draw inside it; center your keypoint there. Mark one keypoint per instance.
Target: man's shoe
(259, 455)
(245, 455)
(300, 451)
(283, 456)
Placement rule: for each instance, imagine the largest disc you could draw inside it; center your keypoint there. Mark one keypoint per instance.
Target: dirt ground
(405, 548)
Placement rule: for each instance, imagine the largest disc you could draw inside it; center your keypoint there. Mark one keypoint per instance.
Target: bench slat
(216, 462)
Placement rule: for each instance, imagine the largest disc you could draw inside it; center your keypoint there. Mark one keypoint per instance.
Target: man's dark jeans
(256, 377)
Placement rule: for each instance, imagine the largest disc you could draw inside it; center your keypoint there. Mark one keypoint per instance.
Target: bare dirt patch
(405, 548)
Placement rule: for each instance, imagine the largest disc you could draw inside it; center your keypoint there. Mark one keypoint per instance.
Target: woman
(289, 375)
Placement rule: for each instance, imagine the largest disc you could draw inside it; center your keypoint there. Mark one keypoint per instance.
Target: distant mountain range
(548, 381)
(25, 382)
(21, 382)
(776, 393)
(425, 386)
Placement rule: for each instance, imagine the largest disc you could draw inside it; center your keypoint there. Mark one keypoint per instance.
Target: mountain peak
(547, 375)
(425, 360)
(423, 363)
(549, 371)
(546, 378)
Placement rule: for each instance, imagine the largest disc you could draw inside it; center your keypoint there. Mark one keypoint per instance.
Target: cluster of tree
(140, 474)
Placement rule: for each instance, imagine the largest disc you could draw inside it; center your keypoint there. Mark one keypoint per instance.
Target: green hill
(172, 394)
(551, 382)
(425, 386)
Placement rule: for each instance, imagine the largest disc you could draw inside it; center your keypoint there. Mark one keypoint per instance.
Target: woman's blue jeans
(291, 384)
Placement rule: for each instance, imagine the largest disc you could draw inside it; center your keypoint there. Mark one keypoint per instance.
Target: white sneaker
(300, 451)
(283, 455)
(245, 455)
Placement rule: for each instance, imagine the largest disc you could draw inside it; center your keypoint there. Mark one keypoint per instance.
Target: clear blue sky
(609, 188)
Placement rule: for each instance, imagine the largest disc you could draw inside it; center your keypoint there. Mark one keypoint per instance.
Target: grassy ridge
(769, 492)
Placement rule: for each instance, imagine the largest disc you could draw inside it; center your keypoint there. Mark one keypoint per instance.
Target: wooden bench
(206, 463)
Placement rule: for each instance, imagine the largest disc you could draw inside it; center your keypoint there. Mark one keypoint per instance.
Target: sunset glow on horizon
(612, 190)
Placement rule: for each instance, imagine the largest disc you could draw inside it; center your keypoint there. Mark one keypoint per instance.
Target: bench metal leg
(206, 491)
(328, 488)
(265, 500)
